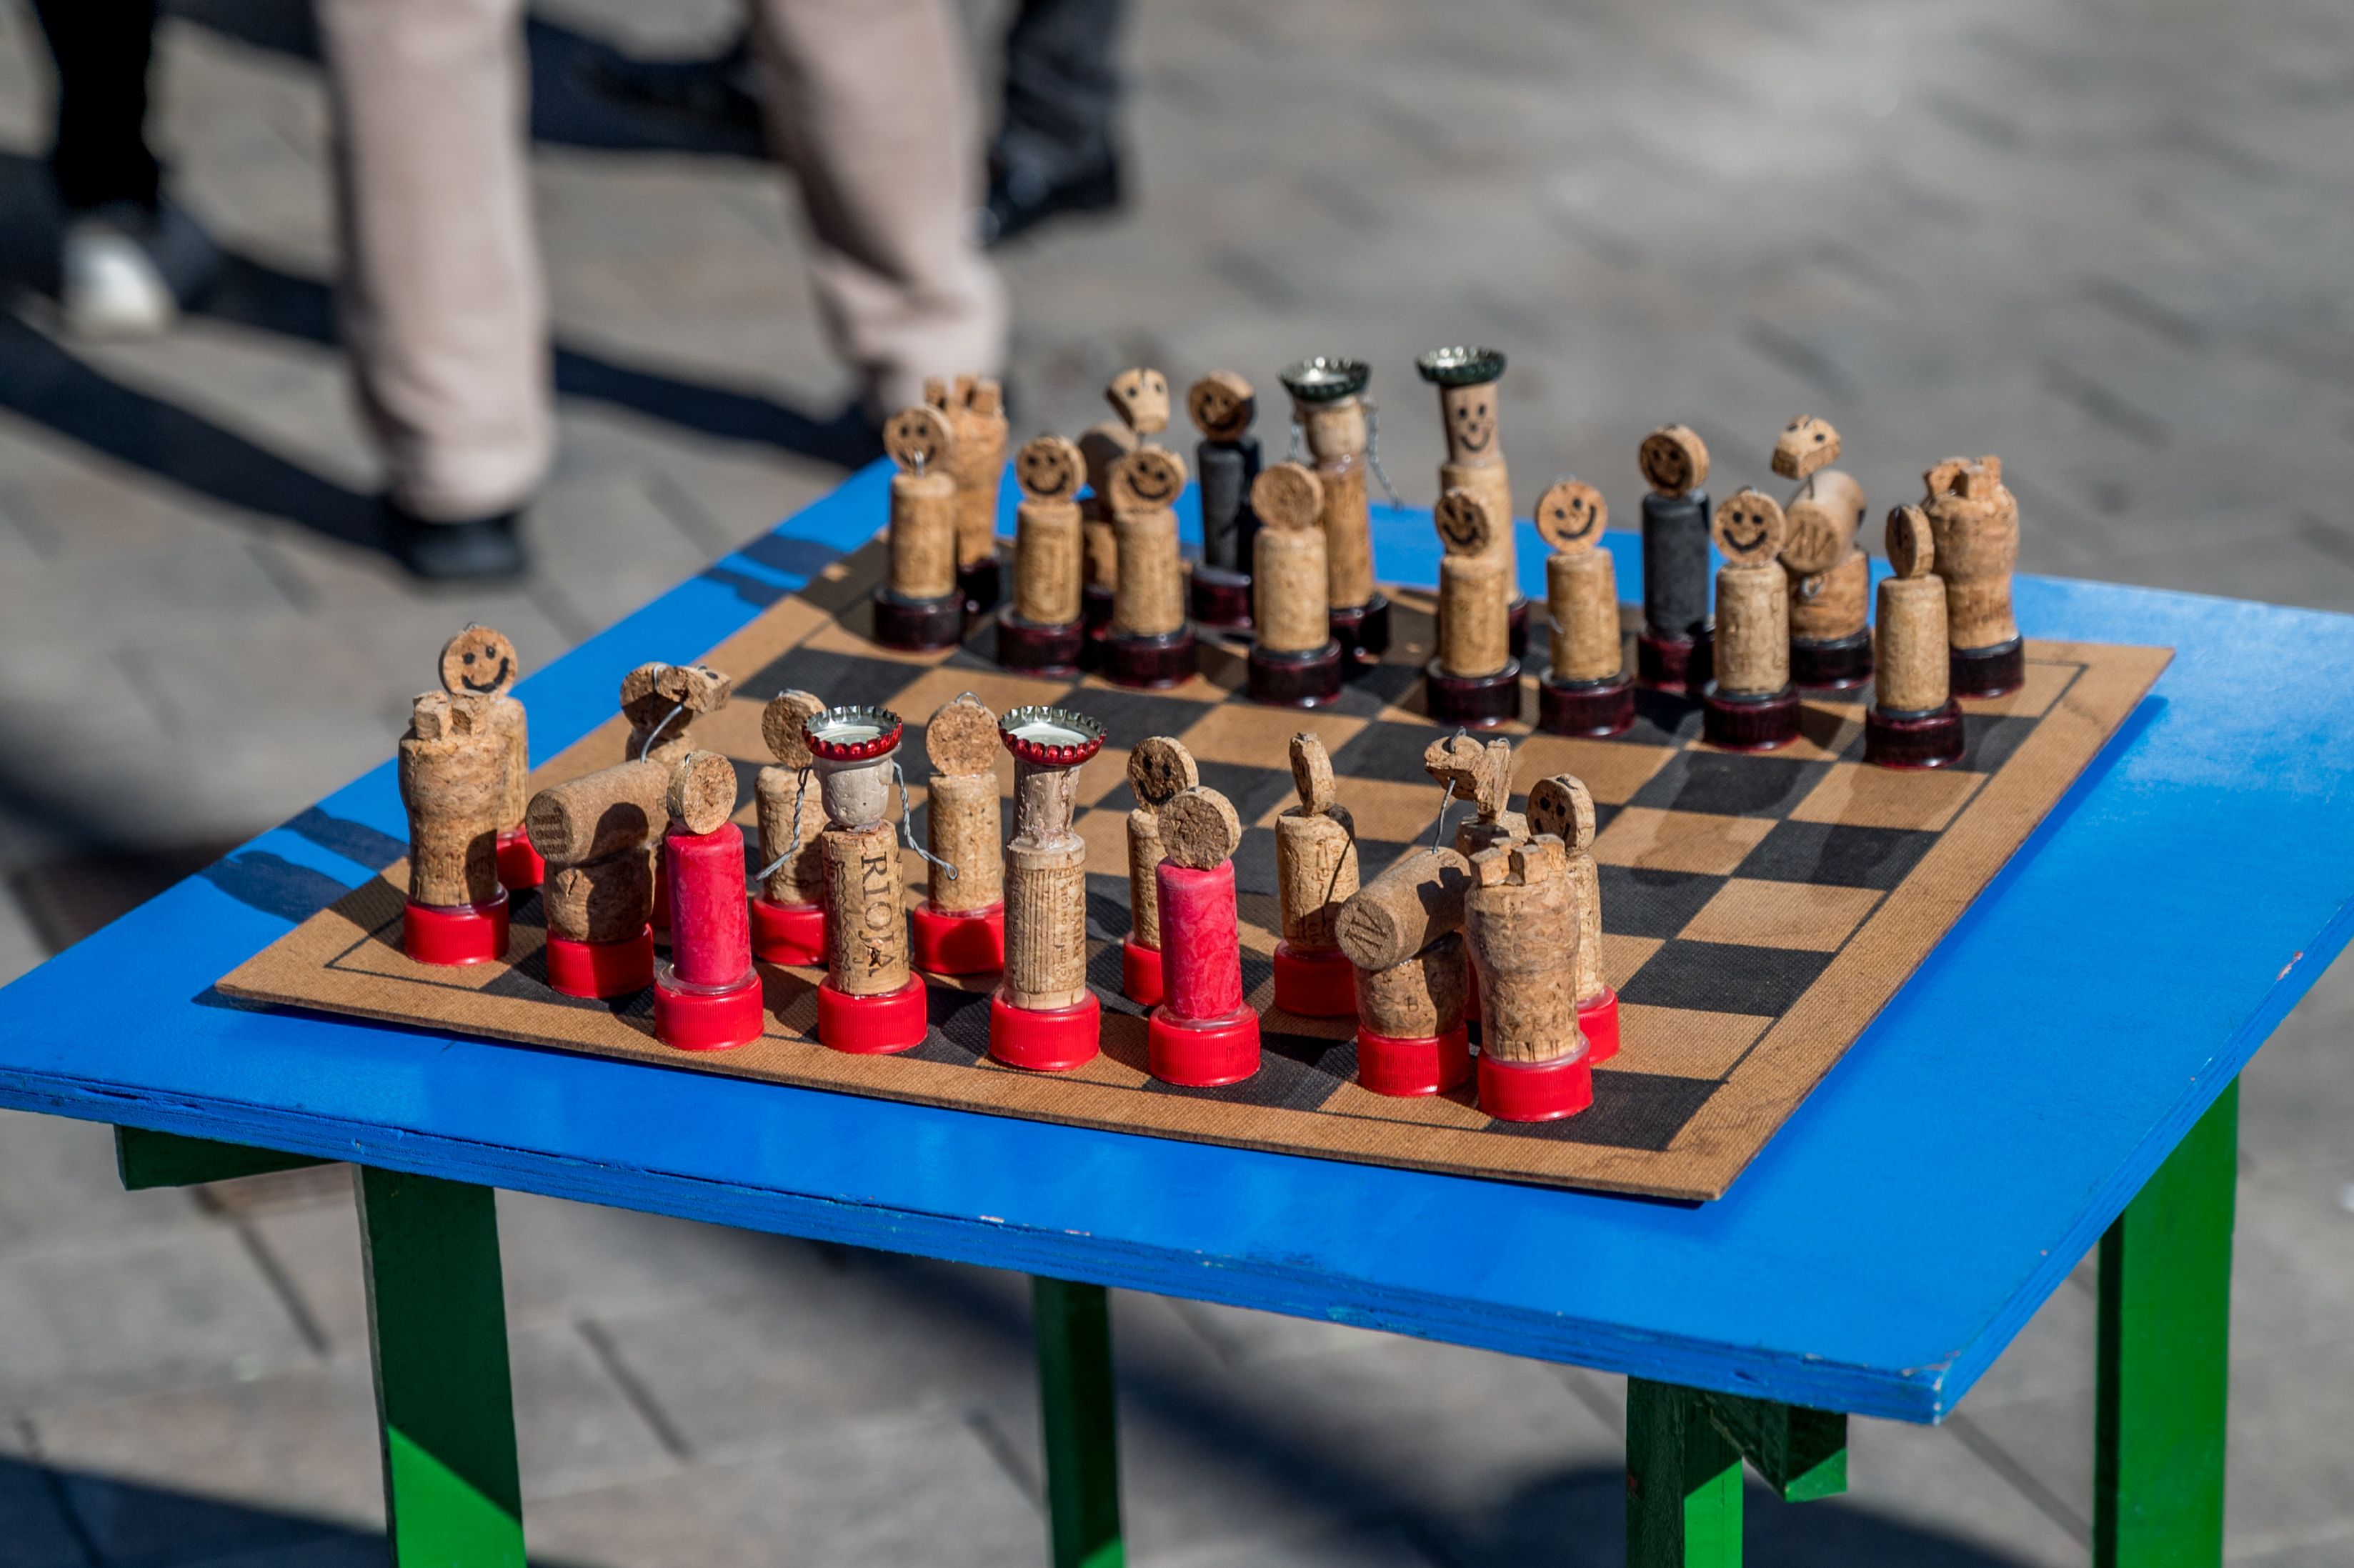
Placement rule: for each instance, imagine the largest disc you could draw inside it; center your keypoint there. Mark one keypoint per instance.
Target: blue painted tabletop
(1878, 1255)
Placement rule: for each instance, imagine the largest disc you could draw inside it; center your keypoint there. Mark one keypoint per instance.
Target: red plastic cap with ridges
(1599, 1021)
(1044, 1040)
(1546, 1091)
(707, 1019)
(1430, 1065)
(960, 942)
(474, 934)
(1202, 1055)
(601, 971)
(872, 1026)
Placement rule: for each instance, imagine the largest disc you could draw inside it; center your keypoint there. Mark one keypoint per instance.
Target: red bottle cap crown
(852, 734)
(1056, 737)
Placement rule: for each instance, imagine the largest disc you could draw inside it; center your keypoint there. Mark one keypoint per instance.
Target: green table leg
(1684, 1449)
(437, 1330)
(144, 1158)
(2165, 1356)
(1075, 1392)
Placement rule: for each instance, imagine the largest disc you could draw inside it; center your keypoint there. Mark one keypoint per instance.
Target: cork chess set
(1252, 850)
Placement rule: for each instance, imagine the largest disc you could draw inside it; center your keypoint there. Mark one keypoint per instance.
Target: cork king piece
(1044, 1017)
(1975, 521)
(707, 993)
(1222, 406)
(1150, 643)
(1473, 680)
(1328, 404)
(1750, 705)
(1041, 630)
(453, 764)
(1204, 1033)
(974, 407)
(1914, 721)
(480, 661)
(869, 1004)
(959, 928)
(1831, 580)
(918, 605)
(1588, 691)
(1471, 408)
(1294, 661)
(1315, 874)
(1672, 650)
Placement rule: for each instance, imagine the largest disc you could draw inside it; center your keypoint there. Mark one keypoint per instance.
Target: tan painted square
(1654, 840)
(1681, 1042)
(1381, 808)
(1261, 737)
(1782, 914)
(1866, 796)
(1622, 956)
(1611, 771)
(2041, 688)
(1106, 832)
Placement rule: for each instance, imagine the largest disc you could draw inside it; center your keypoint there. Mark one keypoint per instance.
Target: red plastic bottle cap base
(469, 934)
(792, 935)
(1045, 1039)
(601, 970)
(1140, 973)
(520, 867)
(1204, 1054)
(1427, 1066)
(872, 1026)
(965, 942)
(1599, 1022)
(1547, 1091)
(707, 1019)
(1315, 984)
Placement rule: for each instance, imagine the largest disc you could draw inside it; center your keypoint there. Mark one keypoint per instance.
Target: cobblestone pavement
(2104, 238)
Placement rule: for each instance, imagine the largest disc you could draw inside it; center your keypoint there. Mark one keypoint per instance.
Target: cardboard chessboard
(1757, 911)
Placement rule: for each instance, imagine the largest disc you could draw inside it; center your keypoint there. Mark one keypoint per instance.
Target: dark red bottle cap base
(1587, 707)
(1220, 598)
(1746, 723)
(1670, 663)
(967, 943)
(1148, 663)
(1597, 1020)
(979, 585)
(1319, 983)
(1139, 973)
(792, 935)
(1306, 680)
(1475, 701)
(700, 1020)
(520, 867)
(1933, 739)
(1362, 630)
(1516, 627)
(1203, 1055)
(1041, 650)
(1044, 1040)
(1987, 672)
(1830, 663)
(880, 1025)
(469, 934)
(601, 971)
(1546, 1091)
(918, 624)
(1095, 621)
(1403, 1067)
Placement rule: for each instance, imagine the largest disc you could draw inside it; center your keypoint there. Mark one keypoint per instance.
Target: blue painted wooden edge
(1875, 1257)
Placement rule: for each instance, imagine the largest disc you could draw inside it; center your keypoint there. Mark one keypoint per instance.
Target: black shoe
(1021, 196)
(483, 549)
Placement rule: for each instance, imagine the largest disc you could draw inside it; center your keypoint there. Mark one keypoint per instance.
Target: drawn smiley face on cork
(1222, 406)
(1142, 397)
(1147, 480)
(1749, 527)
(479, 661)
(1158, 768)
(1049, 469)
(1571, 514)
(1470, 419)
(1675, 459)
(1464, 526)
(918, 438)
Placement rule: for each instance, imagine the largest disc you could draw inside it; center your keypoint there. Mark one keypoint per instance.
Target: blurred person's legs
(1057, 149)
(444, 312)
(871, 102)
(128, 257)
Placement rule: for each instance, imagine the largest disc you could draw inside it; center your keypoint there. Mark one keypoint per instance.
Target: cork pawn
(1470, 413)
(919, 606)
(480, 661)
(1150, 643)
(869, 1004)
(1671, 651)
(1204, 1033)
(1473, 680)
(1040, 631)
(707, 993)
(1043, 1016)
(1750, 705)
(1914, 721)
(1294, 661)
(1588, 691)
(1222, 406)
(1157, 770)
(1315, 874)
(1328, 405)
(959, 927)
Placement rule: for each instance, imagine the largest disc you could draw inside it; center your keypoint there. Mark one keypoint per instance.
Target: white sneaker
(109, 283)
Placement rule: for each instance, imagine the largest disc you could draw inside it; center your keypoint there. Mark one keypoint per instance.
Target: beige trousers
(444, 314)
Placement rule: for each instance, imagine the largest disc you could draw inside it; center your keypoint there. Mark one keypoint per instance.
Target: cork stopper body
(599, 814)
(1523, 933)
(791, 817)
(1753, 628)
(1046, 562)
(1412, 903)
(1975, 519)
(1149, 599)
(975, 414)
(700, 794)
(1473, 834)
(1474, 609)
(923, 534)
(1582, 597)
(604, 900)
(1910, 673)
(1045, 891)
(1561, 808)
(1418, 996)
(1290, 590)
(961, 822)
(453, 776)
(662, 702)
(1143, 860)
(1831, 604)
(514, 728)
(1335, 436)
(1493, 487)
(865, 926)
(1316, 873)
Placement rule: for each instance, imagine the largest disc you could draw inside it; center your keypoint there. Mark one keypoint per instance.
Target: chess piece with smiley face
(1914, 721)
(1672, 650)
(1226, 462)
(1148, 643)
(452, 772)
(959, 928)
(1205, 1032)
(1471, 408)
(1328, 407)
(1157, 770)
(1042, 630)
(1588, 690)
(480, 661)
(1751, 705)
(974, 407)
(1474, 681)
(1294, 661)
(919, 606)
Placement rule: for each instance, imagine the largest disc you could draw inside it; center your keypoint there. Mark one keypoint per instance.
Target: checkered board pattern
(1757, 910)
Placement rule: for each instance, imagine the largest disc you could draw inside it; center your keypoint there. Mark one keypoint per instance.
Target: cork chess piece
(788, 906)
(595, 834)
(1473, 680)
(1561, 808)
(1150, 643)
(1294, 661)
(1914, 721)
(1328, 405)
(1402, 933)
(869, 1004)
(1523, 926)
(1975, 520)
(1043, 1016)
(1131, 396)
(974, 407)
(1315, 874)
(1157, 770)
(959, 928)
(1588, 691)
(1202, 1033)
(1672, 650)
(662, 702)
(1751, 705)
(918, 605)
(453, 765)
(1471, 409)
(1480, 773)
(1222, 406)
(1831, 580)
(1041, 630)
(707, 993)
(482, 663)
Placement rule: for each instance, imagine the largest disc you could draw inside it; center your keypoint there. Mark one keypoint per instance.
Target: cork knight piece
(1588, 691)
(595, 835)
